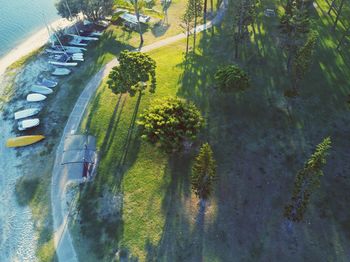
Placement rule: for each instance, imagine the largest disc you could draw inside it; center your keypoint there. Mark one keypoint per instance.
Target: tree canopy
(170, 122)
(92, 9)
(204, 172)
(303, 58)
(232, 77)
(135, 69)
(306, 181)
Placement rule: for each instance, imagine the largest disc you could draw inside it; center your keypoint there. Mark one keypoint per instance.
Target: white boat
(86, 38)
(63, 63)
(74, 48)
(48, 83)
(35, 97)
(26, 113)
(28, 123)
(41, 89)
(61, 72)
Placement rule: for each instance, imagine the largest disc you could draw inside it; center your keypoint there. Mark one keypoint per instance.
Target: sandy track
(63, 242)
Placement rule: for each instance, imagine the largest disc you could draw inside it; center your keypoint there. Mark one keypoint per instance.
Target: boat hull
(24, 141)
(35, 97)
(26, 113)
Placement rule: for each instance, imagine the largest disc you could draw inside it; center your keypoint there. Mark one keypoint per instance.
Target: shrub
(232, 77)
(171, 122)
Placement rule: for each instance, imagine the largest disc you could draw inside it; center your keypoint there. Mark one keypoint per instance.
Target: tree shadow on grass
(175, 243)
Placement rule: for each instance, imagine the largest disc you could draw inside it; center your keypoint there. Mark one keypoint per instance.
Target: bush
(232, 77)
(171, 122)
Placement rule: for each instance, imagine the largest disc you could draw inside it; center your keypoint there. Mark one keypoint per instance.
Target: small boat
(61, 72)
(41, 89)
(48, 83)
(26, 113)
(23, 140)
(74, 49)
(35, 97)
(28, 123)
(84, 38)
(63, 63)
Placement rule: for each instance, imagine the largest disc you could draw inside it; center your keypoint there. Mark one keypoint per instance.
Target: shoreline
(34, 42)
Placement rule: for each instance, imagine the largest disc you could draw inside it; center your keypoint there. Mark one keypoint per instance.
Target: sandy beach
(31, 44)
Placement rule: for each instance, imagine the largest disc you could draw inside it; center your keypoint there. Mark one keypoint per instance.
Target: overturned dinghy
(48, 83)
(35, 97)
(28, 123)
(41, 89)
(61, 72)
(26, 113)
(23, 141)
(57, 63)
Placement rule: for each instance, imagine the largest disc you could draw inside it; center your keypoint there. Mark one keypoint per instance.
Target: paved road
(62, 240)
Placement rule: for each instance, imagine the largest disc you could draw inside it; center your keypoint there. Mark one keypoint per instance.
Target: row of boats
(62, 57)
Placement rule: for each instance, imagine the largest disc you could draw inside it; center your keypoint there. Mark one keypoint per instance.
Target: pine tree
(303, 59)
(204, 172)
(294, 26)
(306, 182)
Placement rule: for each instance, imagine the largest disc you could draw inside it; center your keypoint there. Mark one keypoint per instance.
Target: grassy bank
(260, 140)
(38, 166)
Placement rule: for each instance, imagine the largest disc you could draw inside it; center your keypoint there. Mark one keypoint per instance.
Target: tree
(306, 181)
(204, 172)
(294, 25)
(303, 59)
(138, 5)
(92, 9)
(135, 69)
(197, 9)
(187, 20)
(243, 16)
(232, 77)
(170, 123)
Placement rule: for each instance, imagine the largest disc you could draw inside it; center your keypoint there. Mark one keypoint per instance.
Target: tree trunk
(195, 28)
(211, 6)
(205, 10)
(255, 38)
(187, 37)
(339, 11)
(137, 13)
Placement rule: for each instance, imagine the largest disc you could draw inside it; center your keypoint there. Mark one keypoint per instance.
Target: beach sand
(31, 44)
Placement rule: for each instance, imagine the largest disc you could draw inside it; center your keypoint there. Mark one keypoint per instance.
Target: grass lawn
(260, 140)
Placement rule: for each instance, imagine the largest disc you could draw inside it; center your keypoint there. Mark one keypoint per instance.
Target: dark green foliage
(171, 122)
(204, 172)
(303, 58)
(92, 9)
(306, 181)
(134, 71)
(232, 77)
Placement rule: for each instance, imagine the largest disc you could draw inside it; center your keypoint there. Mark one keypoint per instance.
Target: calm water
(21, 18)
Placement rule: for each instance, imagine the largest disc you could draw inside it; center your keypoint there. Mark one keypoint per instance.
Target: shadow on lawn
(176, 242)
(259, 149)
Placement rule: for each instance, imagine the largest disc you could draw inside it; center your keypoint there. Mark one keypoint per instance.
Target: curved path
(62, 240)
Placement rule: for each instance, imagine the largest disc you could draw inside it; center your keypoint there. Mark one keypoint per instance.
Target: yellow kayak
(23, 141)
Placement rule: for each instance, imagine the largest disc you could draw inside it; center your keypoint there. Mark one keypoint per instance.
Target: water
(21, 18)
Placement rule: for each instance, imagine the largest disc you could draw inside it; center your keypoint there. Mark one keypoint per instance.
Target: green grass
(142, 215)
(260, 139)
